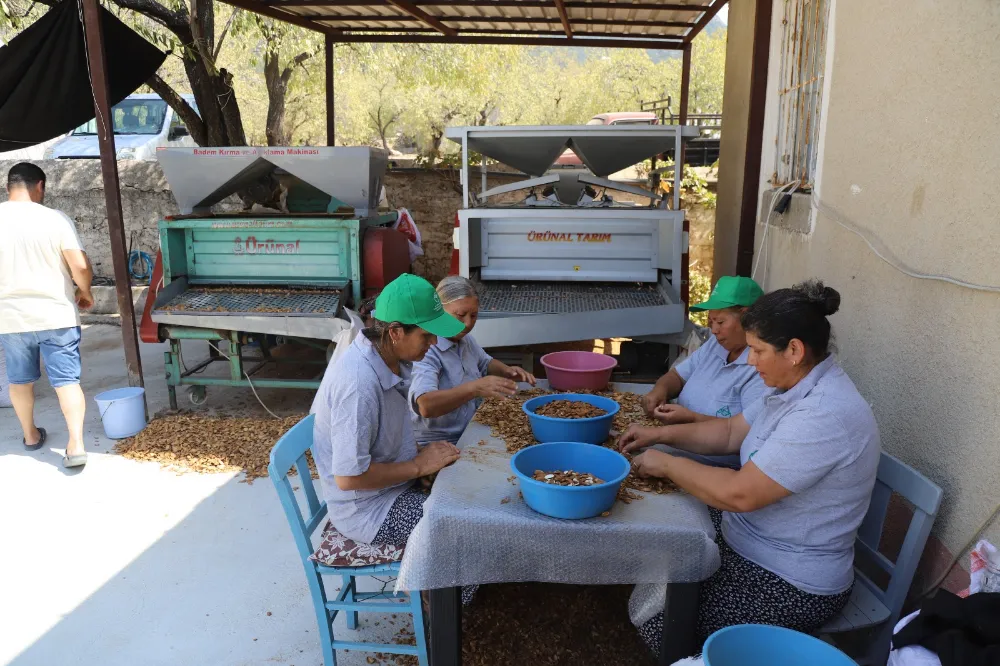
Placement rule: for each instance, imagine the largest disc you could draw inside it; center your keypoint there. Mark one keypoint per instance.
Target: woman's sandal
(38, 445)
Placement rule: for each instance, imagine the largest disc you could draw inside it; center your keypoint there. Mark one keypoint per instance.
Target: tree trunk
(277, 89)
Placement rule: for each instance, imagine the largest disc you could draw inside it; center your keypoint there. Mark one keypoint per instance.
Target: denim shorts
(60, 348)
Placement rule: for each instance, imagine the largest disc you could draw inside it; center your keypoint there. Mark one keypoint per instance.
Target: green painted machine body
(310, 250)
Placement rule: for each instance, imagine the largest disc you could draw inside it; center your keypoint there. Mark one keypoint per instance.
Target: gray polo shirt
(446, 365)
(820, 441)
(715, 387)
(361, 417)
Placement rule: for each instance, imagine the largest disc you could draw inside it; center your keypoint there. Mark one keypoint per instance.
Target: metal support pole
(685, 82)
(112, 189)
(465, 171)
(755, 137)
(331, 110)
(482, 168)
(685, 91)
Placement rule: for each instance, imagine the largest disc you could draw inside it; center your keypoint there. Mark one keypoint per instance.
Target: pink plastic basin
(574, 370)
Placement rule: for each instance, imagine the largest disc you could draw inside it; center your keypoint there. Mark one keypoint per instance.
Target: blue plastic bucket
(762, 645)
(571, 502)
(594, 430)
(123, 411)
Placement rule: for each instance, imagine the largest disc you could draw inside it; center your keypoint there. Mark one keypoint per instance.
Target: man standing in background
(40, 260)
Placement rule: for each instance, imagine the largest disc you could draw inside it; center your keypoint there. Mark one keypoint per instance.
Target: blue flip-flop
(35, 447)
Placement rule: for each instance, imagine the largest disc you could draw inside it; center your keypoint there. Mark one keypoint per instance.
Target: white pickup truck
(142, 124)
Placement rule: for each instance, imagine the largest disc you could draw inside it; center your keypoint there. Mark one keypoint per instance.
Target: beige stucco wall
(912, 154)
(732, 151)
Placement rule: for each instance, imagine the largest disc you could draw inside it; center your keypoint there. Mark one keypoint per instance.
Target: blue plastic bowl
(594, 430)
(762, 645)
(571, 502)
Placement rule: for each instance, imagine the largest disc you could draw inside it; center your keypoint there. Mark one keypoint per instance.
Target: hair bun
(827, 299)
(831, 300)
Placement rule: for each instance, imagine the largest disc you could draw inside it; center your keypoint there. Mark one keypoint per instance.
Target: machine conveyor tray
(305, 312)
(529, 298)
(533, 313)
(261, 302)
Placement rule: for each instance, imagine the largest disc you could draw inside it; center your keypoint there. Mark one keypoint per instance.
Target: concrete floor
(124, 563)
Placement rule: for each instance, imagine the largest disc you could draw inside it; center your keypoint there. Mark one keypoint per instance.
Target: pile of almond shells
(204, 444)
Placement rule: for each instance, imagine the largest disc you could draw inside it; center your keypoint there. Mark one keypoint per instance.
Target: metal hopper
(201, 177)
(605, 149)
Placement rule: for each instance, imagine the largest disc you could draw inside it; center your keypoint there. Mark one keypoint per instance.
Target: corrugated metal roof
(623, 23)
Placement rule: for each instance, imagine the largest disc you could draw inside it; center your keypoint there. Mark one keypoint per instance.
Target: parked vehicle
(142, 123)
(570, 160)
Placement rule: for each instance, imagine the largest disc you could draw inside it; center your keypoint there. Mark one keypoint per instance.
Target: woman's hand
(494, 387)
(435, 457)
(651, 463)
(638, 437)
(669, 414)
(520, 375)
(652, 400)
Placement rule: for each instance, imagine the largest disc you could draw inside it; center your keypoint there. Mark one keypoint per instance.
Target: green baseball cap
(731, 292)
(412, 300)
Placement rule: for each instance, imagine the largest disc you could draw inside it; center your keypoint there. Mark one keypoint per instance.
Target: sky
(724, 14)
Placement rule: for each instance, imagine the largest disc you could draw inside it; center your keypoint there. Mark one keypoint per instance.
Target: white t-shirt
(36, 288)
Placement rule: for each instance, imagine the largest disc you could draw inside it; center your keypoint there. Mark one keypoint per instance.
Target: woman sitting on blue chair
(788, 519)
(364, 446)
(450, 382)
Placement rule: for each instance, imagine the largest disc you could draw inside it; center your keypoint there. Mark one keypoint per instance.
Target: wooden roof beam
(357, 18)
(269, 10)
(417, 13)
(670, 40)
(673, 45)
(704, 20)
(564, 17)
(496, 4)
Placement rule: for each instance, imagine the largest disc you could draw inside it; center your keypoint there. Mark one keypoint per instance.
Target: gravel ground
(544, 624)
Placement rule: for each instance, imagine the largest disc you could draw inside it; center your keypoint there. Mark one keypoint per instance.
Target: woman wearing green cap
(787, 520)
(715, 381)
(364, 446)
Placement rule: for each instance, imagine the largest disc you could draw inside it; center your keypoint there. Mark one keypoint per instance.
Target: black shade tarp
(45, 87)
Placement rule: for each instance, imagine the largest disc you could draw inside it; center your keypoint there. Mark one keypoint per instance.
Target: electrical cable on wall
(868, 236)
(144, 261)
(784, 189)
(870, 239)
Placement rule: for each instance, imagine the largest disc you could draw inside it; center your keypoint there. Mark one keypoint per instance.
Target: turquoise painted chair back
(291, 451)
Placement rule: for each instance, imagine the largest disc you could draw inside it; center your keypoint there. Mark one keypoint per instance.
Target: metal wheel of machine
(197, 395)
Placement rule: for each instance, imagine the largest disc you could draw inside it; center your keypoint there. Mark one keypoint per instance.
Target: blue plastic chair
(291, 450)
(870, 605)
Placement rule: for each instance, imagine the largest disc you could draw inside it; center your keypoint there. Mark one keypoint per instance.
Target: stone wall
(432, 197)
(75, 187)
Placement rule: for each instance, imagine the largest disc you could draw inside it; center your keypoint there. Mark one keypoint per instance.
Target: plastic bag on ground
(911, 655)
(406, 225)
(915, 655)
